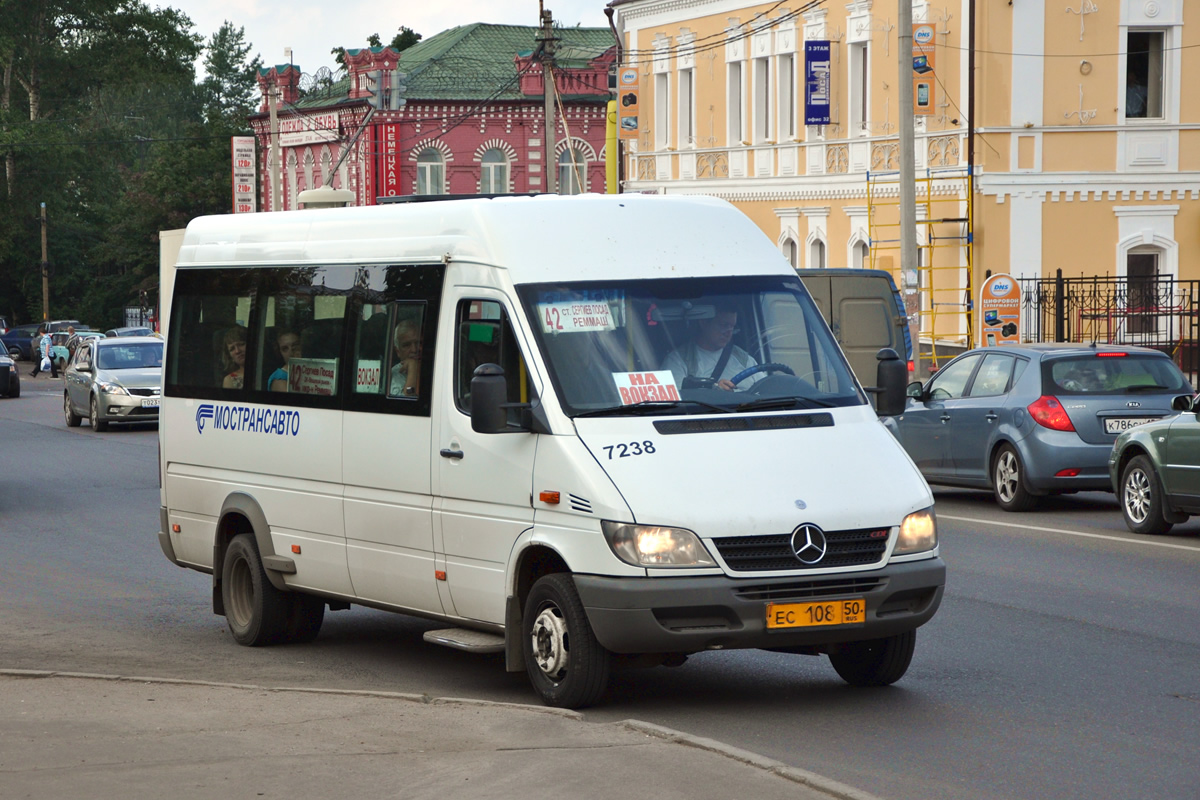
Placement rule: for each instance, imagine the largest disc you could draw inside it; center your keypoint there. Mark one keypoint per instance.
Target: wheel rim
(95, 415)
(240, 601)
(551, 643)
(67, 408)
(1007, 477)
(1137, 495)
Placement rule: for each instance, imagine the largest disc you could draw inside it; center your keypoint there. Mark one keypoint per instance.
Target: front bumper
(127, 408)
(687, 615)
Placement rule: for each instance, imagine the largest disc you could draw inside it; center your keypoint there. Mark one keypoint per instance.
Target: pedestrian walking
(45, 356)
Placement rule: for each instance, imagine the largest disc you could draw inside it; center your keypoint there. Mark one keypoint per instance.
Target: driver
(711, 354)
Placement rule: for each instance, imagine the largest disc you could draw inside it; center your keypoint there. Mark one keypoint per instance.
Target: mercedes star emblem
(808, 543)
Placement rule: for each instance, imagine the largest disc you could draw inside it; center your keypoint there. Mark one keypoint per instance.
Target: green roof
(475, 62)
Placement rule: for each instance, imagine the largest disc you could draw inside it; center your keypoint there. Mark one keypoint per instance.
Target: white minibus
(589, 432)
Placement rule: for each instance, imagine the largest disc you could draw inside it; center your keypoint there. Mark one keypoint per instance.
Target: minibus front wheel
(566, 664)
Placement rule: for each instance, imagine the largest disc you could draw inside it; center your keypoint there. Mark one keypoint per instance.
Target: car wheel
(878, 662)
(14, 353)
(98, 424)
(14, 386)
(566, 664)
(256, 612)
(1142, 498)
(69, 414)
(1008, 481)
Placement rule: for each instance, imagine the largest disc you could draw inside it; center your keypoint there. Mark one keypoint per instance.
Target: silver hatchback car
(114, 380)
(1036, 419)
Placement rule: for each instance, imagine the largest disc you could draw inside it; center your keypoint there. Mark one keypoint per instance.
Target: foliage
(405, 38)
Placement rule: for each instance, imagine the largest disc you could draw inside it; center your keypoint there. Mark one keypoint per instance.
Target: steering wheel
(757, 368)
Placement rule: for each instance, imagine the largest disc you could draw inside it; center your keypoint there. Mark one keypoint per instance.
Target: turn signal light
(296, 549)
(1049, 413)
(550, 498)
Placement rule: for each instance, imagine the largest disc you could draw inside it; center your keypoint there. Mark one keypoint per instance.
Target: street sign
(816, 82)
(245, 175)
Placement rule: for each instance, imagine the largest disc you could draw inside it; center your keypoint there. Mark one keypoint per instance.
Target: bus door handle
(447, 453)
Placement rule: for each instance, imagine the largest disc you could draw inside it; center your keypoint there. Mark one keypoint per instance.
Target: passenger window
(390, 349)
(302, 316)
(992, 378)
(951, 381)
(484, 336)
(210, 314)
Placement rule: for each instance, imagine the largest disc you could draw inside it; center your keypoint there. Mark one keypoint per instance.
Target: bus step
(465, 639)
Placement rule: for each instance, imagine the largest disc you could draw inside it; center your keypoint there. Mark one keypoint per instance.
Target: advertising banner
(816, 82)
(628, 92)
(245, 175)
(389, 173)
(924, 69)
(1000, 311)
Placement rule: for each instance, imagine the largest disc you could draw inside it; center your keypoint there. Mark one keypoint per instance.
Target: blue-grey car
(1035, 419)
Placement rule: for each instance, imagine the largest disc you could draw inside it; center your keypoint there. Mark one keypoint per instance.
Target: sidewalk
(98, 736)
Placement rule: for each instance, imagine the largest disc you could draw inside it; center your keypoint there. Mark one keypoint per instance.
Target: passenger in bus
(711, 356)
(288, 343)
(234, 357)
(406, 369)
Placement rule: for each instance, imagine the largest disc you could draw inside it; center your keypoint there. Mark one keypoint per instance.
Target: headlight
(113, 388)
(654, 546)
(918, 532)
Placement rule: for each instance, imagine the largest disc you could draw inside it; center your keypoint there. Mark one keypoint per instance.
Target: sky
(314, 27)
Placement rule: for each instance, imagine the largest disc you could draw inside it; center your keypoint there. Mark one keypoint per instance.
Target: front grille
(763, 553)
(144, 392)
(807, 590)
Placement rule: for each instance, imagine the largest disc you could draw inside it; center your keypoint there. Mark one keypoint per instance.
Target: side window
(210, 319)
(992, 378)
(485, 336)
(950, 382)
(300, 324)
(84, 358)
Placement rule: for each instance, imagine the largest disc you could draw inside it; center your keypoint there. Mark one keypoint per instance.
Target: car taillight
(1049, 413)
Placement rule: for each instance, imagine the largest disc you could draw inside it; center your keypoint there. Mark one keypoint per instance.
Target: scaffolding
(940, 296)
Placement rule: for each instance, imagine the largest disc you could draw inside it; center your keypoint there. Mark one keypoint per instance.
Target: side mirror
(489, 392)
(1183, 402)
(915, 390)
(890, 376)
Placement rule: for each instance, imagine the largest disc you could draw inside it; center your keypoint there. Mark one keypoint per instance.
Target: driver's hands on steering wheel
(725, 384)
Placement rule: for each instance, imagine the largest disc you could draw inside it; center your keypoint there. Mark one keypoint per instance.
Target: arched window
(792, 253)
(493, 177)
(816, 254)
(431, 172)
(862, 255)
(572, 172)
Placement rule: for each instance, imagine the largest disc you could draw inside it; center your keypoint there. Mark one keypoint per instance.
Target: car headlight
(656, 546)
(918, 532)
(113, 388)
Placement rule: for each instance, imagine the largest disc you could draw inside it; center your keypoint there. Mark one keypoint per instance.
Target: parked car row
(20, 342)
(1032, 420)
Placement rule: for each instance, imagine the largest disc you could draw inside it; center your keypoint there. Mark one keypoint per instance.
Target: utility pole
(45, 271)
(548, 41)
(273, 166)
(908, 173)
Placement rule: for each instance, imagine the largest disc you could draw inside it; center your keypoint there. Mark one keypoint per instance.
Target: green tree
(405, 38)
(231, 85)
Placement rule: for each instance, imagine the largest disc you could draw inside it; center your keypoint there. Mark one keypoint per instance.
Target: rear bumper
(1048, 452)
(687, 615)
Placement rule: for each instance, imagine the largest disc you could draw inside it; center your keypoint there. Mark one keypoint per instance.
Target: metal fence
(1152, 311)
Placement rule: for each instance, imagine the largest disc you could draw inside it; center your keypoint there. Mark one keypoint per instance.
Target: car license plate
(1120, 424)
(151, 402)
(809, 615)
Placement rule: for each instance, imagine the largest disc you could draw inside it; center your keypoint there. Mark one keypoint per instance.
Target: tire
(878, 662)
(256, 612)
(98, 425)
(1142, 498)
(14, 386)
(69, 414)
(1008, 481)
(305, 614)
(567, 666)
(14, 353)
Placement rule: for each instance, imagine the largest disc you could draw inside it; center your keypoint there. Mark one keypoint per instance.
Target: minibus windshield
(688, 345)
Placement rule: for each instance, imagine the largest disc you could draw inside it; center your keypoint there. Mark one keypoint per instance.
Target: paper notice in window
(576, 317)
(640, 387)
(312, 376)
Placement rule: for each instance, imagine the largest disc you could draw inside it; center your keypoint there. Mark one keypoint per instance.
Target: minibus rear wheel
(566, 664)
(257, 612)
(878, 662)
(305, 615)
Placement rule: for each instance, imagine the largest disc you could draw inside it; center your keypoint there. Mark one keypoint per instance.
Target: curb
(778, 768)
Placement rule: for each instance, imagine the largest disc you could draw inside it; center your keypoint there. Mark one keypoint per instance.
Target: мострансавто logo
(246, 419)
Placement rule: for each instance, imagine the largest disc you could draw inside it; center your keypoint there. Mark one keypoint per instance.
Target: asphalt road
(1065, 661)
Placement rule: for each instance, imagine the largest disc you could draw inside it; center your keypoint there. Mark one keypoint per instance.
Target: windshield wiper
(780, 403)
(650, 407)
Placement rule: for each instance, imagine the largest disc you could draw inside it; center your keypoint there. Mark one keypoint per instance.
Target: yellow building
(1086, 145)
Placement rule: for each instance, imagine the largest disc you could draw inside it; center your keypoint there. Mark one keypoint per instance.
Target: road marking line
(1071, 533)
